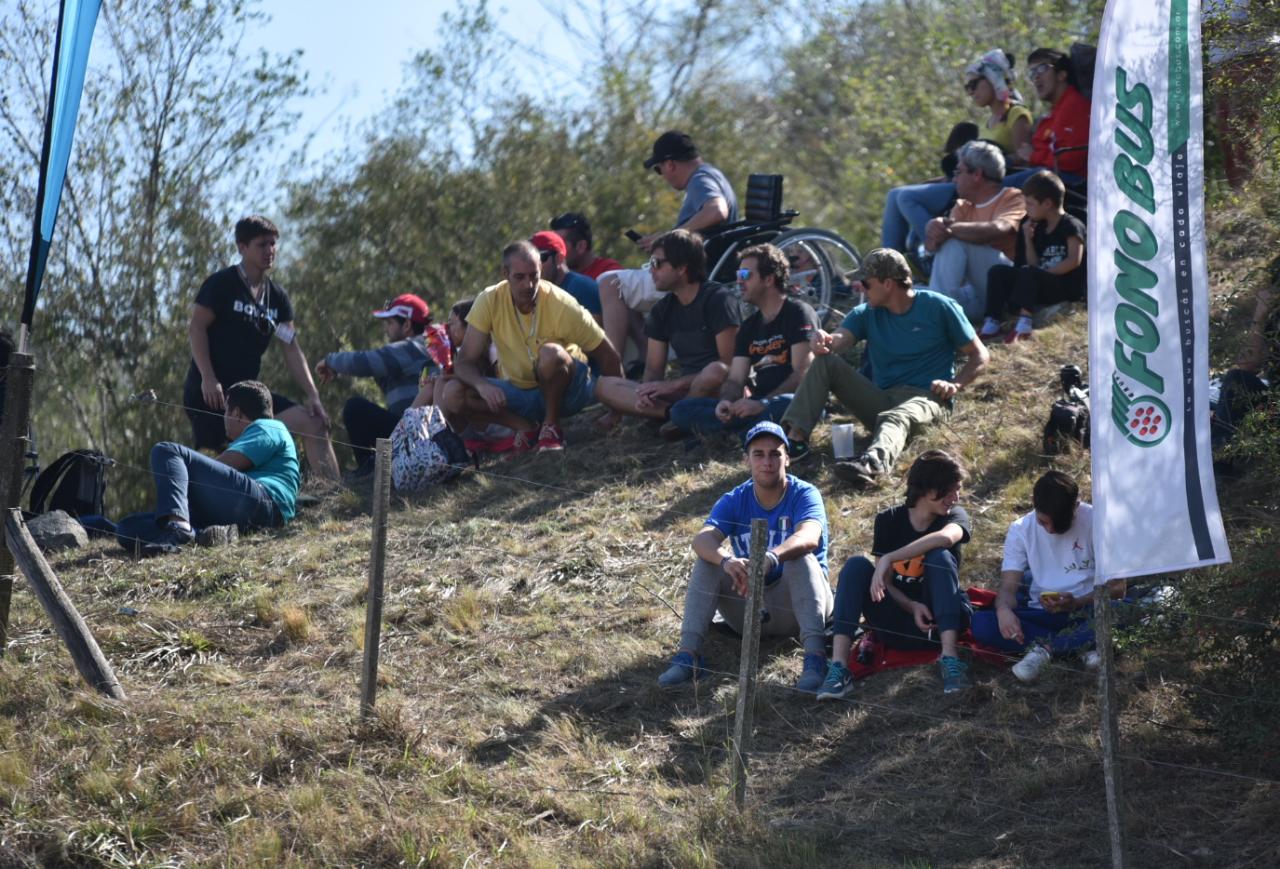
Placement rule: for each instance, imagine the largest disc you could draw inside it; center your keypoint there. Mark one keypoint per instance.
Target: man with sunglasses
(696, 319)
(709, 201)
(235, 316)
(579, 256)
(771, 353)
(544, 339)
(552, 252)
(1060, 141)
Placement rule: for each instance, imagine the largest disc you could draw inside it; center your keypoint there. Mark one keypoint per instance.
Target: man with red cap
(396, 367)
(554, 252)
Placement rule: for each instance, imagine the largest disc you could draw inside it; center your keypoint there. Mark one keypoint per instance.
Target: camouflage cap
(882, 263)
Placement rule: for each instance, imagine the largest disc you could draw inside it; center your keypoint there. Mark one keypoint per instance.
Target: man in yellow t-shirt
(544, 339)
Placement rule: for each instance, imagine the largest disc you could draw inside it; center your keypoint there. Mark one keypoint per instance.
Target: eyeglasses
(655, 263)
(743, 274)
(1038, 70)
(971, 86)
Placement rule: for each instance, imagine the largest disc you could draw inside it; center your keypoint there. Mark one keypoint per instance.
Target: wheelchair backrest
(764, 198)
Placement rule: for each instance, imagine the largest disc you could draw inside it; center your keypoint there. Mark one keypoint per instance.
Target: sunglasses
(743, 274)
(655, 263)
(971, 85)
(545, 255)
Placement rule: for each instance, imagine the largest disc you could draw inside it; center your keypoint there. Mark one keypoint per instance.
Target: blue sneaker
(684, 668)
(815, 670)
(839, 683)
(955, 675)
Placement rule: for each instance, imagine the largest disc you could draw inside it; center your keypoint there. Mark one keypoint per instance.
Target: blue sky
(355, 53)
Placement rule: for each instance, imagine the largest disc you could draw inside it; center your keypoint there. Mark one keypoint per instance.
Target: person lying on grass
(251, 484)
(1052, 547)
(910, 595)
(797, 595)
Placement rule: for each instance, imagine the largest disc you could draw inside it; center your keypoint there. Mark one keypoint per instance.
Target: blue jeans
(528, 403)
(908, 210)
(1061, 632)
(698, 415)
(942, 594)
(206, 492)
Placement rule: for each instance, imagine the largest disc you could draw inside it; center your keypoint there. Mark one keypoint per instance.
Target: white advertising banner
(1155, 506)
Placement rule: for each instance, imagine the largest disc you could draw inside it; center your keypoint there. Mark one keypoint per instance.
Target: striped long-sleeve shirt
(395, 367)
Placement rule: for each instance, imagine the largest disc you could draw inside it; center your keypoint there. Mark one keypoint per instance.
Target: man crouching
(797, 594)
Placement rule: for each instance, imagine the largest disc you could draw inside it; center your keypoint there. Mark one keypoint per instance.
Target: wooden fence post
(13, 450)
(1108, 724)
(749, 662)
(88, 658)
(377, 568)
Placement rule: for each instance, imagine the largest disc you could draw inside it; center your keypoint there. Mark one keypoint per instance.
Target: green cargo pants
(892, 415)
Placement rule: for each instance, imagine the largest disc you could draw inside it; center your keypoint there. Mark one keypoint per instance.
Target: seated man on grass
(771, 354)
(544, 338)
(797, 594)
(912, 338)
(696, 319)
(913, 587)
(252, 484)
(1054, 544)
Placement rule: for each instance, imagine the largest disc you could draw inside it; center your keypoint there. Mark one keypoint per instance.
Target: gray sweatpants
(799, 604)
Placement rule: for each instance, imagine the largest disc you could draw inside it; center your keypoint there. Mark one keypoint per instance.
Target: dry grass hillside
(530, 607)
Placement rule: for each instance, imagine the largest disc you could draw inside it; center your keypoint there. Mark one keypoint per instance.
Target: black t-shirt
(893, 530)
(768, 345)
(1051, 247)
(691, 329)
(242, 329)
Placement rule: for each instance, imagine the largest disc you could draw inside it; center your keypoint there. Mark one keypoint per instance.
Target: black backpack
(1069, 416)
(75, 483)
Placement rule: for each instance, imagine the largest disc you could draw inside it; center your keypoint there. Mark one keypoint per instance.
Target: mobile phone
(633, 235)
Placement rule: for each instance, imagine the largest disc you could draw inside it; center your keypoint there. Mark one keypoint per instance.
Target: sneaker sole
(836, 695)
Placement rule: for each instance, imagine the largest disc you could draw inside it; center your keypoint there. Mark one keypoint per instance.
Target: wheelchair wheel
(820, 260)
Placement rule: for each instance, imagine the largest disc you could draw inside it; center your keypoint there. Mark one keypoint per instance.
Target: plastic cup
(842, 440)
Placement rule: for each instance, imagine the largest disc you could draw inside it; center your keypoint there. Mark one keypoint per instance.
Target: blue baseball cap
(766, 428)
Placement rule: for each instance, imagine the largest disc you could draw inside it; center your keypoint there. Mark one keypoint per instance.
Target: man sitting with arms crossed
(981, 230)
(543, 338)
(797, 594)
(772, 350)
(252, 484)
(708, 202)
(696, 319)
(912, 338)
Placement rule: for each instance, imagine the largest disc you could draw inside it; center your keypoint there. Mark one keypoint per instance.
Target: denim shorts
(528, 403)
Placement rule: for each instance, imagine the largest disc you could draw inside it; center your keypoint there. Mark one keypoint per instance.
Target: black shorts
(207, 429)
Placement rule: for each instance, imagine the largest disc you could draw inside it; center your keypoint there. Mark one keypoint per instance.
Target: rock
(218, 535)
(56, 530)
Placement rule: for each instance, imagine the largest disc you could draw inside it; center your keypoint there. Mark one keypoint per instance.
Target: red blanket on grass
(879, 657)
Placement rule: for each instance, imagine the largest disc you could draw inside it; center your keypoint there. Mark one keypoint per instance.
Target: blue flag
(76, 20)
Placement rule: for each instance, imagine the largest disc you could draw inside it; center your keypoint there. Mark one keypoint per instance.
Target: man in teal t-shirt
(252, 484)
(912, 338)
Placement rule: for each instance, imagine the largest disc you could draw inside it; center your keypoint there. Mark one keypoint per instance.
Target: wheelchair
(820, 259)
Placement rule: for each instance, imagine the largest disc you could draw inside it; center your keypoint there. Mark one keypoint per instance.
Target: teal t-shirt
(268, 444)
(915, 348)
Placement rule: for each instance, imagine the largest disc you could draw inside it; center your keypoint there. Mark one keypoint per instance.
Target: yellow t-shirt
(557, 318)
(1002, 133)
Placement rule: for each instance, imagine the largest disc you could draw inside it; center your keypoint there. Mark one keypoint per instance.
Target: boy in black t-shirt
(771, 353)
(1050, 261)
(913, 587)
(236, 314)
(696, 319)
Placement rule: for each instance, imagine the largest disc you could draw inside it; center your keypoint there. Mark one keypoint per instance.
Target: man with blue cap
(797, 595)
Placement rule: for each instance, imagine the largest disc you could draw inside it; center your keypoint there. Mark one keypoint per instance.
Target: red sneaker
(520, 442)
(550, 438)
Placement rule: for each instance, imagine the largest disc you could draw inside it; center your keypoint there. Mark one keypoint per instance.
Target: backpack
(425, 451)
(75, 483)
(1069, 415)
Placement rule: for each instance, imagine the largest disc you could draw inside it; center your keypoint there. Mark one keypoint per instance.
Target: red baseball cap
(408, 306)
(548, 240)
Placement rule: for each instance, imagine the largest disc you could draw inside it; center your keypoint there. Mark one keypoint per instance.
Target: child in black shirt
(1050, 266)
(913, 587)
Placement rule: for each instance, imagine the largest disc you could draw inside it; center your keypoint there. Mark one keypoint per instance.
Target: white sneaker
(1028, 669)
(1091, 659)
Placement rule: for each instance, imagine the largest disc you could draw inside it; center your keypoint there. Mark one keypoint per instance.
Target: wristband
(773, 557)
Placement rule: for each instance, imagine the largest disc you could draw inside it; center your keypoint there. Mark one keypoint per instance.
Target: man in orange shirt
(980, 231)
